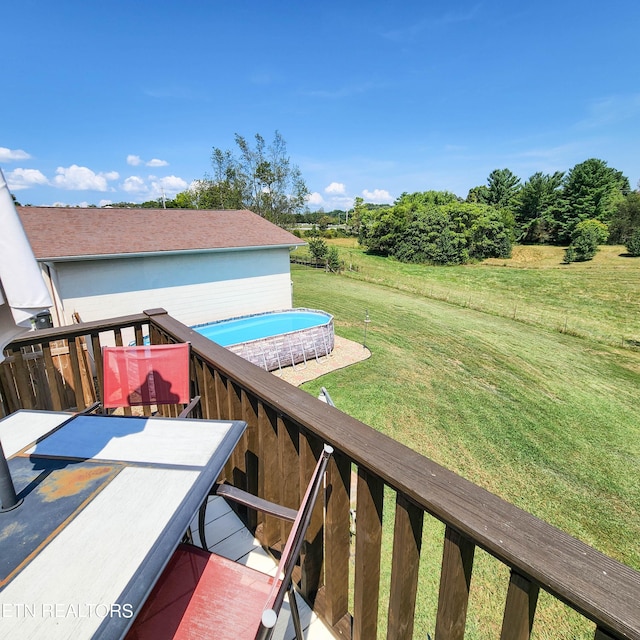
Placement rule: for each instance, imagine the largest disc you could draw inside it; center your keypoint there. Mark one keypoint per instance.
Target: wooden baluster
(86, 376)
(407, 541)
(146, 409)
(520, 608)
(155, 335)
(222, 398)
(23, 383)
(337, 538)
(75, 371)
(268, 479)
(313, 548)
(222, 406)
(251, 451)
(97, 358)
(368, 527)
(8, 387)
(53, 376)
(38, 376)
(197, 369)
(455, 579)
(209, 398)
(234, 412)
(288, 470)
(127, 410)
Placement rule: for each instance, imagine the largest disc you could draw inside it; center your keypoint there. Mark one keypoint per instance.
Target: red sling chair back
(147, 375)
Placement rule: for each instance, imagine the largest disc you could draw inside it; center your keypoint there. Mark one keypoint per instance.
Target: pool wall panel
(288, 349)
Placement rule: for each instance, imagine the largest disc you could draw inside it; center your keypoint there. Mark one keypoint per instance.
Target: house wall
(194, 288)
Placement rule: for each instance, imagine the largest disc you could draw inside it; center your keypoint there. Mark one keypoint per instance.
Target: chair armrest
(234, 494)
(189, 408)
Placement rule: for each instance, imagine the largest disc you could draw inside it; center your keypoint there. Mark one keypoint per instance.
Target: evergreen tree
(503, 187)
(535, 206)
(591, 191)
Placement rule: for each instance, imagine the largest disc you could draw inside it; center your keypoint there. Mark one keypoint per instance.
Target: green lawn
(599, 299)
(545, 419)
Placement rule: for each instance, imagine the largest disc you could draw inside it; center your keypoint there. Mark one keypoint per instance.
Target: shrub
(318, 248)
(333, 260)
(569, 255)
(598, 230)
(585, 239)
(633, 244)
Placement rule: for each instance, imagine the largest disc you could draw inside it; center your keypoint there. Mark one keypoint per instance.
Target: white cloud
(168, 186)
(315, 199)
(377, 196)
(77, 178)
(335, 187)
(157, 163)
(154, 187)
(136, 161)
(340, 202)
(25, 178)
(8, 155)
(134, 184)
(104, 203)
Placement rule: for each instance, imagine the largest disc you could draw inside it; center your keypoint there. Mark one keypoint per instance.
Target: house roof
(75, 233)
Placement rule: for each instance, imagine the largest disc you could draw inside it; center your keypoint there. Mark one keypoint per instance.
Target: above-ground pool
(275, 339)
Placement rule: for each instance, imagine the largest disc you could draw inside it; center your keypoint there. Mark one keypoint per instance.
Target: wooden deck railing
(286, 429)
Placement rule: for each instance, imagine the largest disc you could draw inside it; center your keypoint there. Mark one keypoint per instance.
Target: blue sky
(121, 100)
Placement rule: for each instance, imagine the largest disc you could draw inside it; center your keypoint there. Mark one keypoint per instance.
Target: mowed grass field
(539, 414)
(599, 299)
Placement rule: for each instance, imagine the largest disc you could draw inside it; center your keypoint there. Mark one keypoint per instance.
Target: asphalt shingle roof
(57, 232)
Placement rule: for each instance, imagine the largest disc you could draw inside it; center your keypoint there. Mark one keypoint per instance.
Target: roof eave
(148, 254)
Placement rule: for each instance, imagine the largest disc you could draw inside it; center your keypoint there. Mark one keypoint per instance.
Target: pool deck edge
(345, 353)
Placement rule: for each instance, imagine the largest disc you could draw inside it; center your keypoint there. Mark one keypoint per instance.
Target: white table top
(91, 577)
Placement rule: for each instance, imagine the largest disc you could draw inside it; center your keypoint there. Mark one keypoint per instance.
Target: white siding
(193, 288)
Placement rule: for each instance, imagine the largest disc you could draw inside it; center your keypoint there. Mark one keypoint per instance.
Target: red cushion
(202, 595)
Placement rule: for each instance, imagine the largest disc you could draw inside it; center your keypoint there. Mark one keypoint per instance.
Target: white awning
(23, 293)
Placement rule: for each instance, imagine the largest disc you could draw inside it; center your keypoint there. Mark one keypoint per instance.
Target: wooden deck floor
(227, 536)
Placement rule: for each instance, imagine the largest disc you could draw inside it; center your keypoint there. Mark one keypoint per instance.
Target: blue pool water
(248, 328)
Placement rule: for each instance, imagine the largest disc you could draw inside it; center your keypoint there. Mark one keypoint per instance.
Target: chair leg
(201, 518)
(295, 614)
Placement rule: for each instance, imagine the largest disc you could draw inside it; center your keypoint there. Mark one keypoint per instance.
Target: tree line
(548, 207)
(584, 207)
(588, 206)
(434, 227)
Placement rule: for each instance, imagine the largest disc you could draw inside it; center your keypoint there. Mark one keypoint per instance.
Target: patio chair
(203, 595)
(147, 375)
